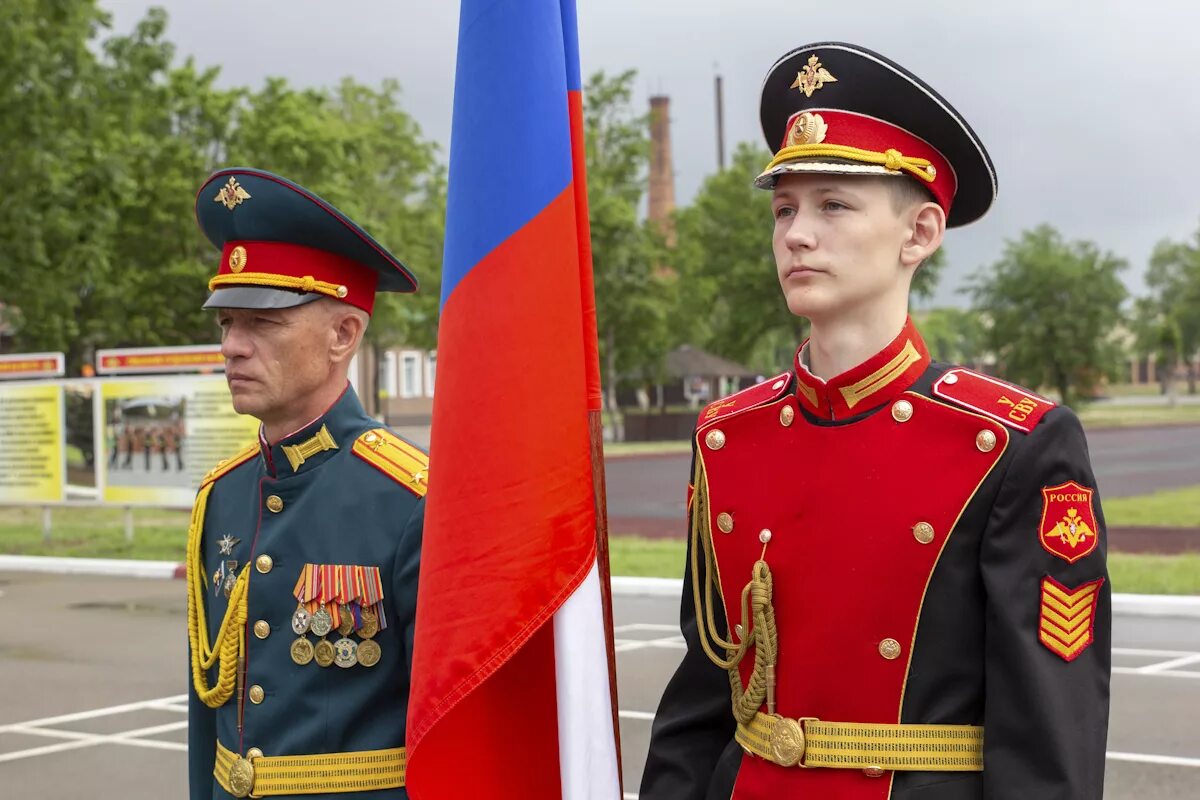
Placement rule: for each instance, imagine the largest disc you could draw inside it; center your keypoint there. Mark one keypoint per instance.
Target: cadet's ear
(927, 230)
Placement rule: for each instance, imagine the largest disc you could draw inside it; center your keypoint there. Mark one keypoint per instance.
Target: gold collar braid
(757, 612)
(889, 159)
(229, 649)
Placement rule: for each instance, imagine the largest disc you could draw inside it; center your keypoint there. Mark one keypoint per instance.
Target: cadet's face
(837, 244)
(274, 358)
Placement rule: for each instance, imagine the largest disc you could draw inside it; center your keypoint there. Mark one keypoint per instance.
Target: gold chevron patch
(227, 464)
(404, 463)
(1068, 617)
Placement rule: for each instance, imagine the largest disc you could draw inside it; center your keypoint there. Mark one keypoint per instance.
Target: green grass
(1130, 573)
(159, 535)
(646, 448)
(1175, 508)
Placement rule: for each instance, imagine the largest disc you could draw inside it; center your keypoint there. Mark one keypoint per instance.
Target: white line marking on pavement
(78, 739)
(646, 626)
(1183, 673)
(1167, 666)
(1142, 758)
(1136, 651)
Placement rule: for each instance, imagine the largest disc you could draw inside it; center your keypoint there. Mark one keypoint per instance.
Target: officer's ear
(926, 230)
(348, 325)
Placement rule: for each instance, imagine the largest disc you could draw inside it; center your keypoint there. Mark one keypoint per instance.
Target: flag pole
(604, 568)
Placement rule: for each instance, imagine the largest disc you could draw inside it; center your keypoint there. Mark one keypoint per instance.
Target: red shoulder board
(750, 397)
(1002, 401)
(228, 464)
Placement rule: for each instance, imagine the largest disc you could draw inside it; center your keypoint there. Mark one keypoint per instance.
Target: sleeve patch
(749, 397)
(405, 463)
(1002, 401)
(226, 465)
(1068, 528)
(1067, 620)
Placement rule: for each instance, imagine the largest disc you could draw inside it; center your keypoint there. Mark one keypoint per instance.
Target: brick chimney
(661, 200)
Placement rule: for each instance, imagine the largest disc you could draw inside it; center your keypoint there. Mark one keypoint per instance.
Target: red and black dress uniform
(937, 555)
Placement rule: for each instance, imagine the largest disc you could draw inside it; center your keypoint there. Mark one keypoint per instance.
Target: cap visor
(258, 297)
(767, 179)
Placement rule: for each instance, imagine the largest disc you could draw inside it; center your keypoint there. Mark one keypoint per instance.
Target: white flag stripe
(586, 744)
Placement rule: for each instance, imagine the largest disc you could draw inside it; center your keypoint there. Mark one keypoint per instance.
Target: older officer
(304, 548)
(896, 585)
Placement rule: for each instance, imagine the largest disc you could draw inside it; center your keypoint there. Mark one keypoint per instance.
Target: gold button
(725, 522)
(253, 753)
(786, 415)
(923, 532)
(275, 503)
(889, 649)
(370, 437)
(985, 441)
(262, 629)
(715, 439)
(264, 563)
(873, 772)
(257, 694)
(342, 291)
(902, 411)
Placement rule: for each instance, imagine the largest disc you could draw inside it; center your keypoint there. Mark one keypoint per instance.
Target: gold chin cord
(230, 646)
(758, 614)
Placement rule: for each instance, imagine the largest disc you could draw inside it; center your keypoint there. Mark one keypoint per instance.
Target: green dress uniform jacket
(341, 491)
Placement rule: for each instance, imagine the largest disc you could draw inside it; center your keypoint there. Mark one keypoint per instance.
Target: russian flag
(512, 691)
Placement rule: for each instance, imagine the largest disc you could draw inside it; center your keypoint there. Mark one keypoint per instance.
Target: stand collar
(317, 441)
(873, 383)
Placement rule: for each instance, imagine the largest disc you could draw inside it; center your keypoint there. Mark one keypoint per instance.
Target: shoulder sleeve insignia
(226, 465)
(1068, 528)
(1002, 401)
(749, 397)
(1067, 621)
(403, 462)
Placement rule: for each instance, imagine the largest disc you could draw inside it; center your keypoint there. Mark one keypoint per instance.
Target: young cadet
(304, 548)
(896, 568)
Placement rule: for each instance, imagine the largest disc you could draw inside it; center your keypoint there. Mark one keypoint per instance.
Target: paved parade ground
(95, 675)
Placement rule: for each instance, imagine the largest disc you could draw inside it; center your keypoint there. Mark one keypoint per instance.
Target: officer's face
(275, 358)
(838, 242)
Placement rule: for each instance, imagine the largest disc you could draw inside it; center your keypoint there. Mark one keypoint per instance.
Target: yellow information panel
(32, 452)
(159, 436)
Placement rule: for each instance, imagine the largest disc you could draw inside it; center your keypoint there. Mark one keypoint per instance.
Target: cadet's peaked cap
(838, 108)
(283, 246)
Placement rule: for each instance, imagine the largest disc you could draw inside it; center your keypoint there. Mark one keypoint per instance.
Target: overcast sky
(1088, 109)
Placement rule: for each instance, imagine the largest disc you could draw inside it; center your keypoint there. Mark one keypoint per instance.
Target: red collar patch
(1068, 529)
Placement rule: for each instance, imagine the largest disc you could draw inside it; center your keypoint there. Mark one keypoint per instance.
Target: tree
(1053, 306)
(1173, 279)
(632, 292)
(953, 335)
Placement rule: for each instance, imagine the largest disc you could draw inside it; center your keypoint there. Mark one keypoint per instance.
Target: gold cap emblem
(812, 77)
(232, 194)
(237, 259)
(808, 128)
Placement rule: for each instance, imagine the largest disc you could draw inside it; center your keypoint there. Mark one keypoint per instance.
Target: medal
(347, 624)
(368, 653)
(230, 577)
(322, 622)
(323, 653)
(217, 580)
(301, 620)
(370, 624)
(302, 651)
(227, 544)
(346, 653)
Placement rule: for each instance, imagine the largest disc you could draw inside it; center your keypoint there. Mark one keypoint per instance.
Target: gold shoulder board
(405, 463)
(227, 464)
